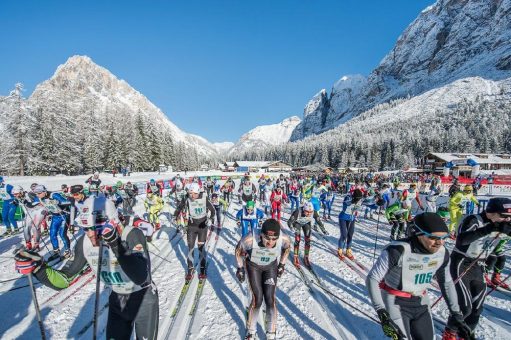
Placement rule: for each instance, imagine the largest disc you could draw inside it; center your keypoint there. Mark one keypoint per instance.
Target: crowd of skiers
(396, 283)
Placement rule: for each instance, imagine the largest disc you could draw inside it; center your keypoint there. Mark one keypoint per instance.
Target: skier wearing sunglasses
(264, 258)
(399, 280)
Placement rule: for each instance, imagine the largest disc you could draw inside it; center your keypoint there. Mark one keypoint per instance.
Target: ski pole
(98, 282)
(36, 306)
(470, 266)
(376, 238)
(496, 286)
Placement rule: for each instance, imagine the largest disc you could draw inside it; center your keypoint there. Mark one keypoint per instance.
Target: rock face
(81, 83)
(450, 40)
(266, 135)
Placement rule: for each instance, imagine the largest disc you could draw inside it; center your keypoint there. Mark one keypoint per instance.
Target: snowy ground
(303, 313)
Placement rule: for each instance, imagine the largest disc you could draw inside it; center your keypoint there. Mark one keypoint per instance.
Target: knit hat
(501, 205)
(76, 188)
(271, 227)
(429, 222)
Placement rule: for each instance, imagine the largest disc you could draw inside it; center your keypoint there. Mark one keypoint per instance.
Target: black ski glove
(389, 327)
(505, 228)
(111, 238)
(280, 269)
(456, 322)
(240, 274)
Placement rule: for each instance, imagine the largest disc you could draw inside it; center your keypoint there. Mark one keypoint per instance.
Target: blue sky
(216, 68)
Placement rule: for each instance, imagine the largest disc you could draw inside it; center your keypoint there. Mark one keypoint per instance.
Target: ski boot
(68, 254)
(296, 261)
(202, 273)
(189, 275)
(45, 232)
(157, 226)
(306, 261)
(315, 227)
(497, 281)
(271, 336)
(28, 245)
(36, 247)
(54, 256)
(340, 254)
(249, 336)
(349, 254)
(449, 335)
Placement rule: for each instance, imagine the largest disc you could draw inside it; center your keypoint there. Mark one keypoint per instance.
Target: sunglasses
(270, 238)
(431, 236)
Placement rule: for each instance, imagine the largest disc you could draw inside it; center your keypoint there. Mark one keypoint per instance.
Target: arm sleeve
(243, 246)
(133, 256)
(319, 222)
(469, 232)
(446, 284)
(286, 247)
(238, 214)
(389, 258)
(292, 219)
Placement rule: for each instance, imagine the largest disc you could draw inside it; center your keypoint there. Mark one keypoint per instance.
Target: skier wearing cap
(351, 209)
(478, 236)
(456, 205)
(398, 281)
(220, 205)
(154, 188)
(8, 207)
(197, 206)
(35, 214)
(130, 198)
(249, 218)
(247, 191)
(94, 183)
(263, 259)
(58, 207)
(153, 205)
(277, 197)
(126, 268)
(303, 219)
(227, 188)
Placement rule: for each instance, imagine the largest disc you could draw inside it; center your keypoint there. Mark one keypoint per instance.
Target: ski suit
(197, 225)
(248, 192)
(126, 268)
(347, 217)
(58, 207)
(261, 264)
(276, 203)
(221, 208)
(294, 195)
(299, 222)
(456, 205)
(399, 280)
(396, 217)
(35, 213)
(249, 222)
(477, 235)
(153, 206)
(8, 206)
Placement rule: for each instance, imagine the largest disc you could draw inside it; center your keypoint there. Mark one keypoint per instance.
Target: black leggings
(139, 309)
(227, 196)
(307, 236)
(415, 317)
(397, 229)
(197, 232)
(262, 283)
(471, 289)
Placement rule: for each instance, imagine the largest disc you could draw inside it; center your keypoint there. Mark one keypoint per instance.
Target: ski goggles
(429, 235)
(270, 238)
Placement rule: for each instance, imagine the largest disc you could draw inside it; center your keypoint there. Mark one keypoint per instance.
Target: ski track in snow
(302, 314)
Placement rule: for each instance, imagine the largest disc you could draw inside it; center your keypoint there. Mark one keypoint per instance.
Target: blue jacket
(349, 210)
(6, 192)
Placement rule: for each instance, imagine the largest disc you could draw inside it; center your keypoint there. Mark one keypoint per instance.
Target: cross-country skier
(126, 268)
(153, 205)
(495, 263)
(351, 209)
(58, 207)
(197, 205)
(302, 219)
(398, 281)
(277, 198)
(154, 188)
(247, 191)
(478, 236)
(130, 198)
(220, 205)
(8, 207)
(456, 205)
(248, 218)
(264, 258)
(35, 214)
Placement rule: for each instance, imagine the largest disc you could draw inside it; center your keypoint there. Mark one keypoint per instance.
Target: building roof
(481, 158)
(253, 164)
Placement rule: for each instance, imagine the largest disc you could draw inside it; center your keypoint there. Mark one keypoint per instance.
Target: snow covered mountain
(223, 147)
(266, 135)
(448, 41)
(80, 82)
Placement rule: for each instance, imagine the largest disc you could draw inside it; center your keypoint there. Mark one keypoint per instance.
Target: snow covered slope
(80, 82)
(450, 40)
(266, 135)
